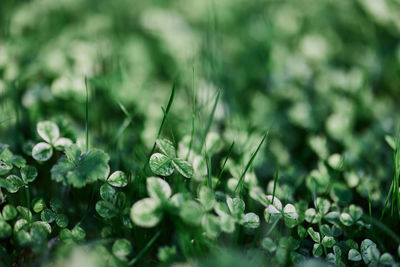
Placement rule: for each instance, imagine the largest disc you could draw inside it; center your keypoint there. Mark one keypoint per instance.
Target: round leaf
(166, 147)
(5, 229)
(38, 205)
(48, 131)
(250, 220)
(161, 164)
(157, 188)
(146, 212)
(13, 183)
(354, 255)
(183, 167)
(42, 151)
(47, 215)
(62, 220)
(118, 179)
(107, 192)
(122, 248)
(78, 234)
(191, 212)
(28, 174)
(106, 209)
(9, 212)
(206, 198)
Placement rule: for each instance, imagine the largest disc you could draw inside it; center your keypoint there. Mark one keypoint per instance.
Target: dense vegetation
(199, 133)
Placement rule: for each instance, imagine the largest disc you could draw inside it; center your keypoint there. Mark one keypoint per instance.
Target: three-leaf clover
(370, 254)
(353, 216)
(326, 241)
(13, 182)
(79, 169)
(50, 133)
(274, 208)
(232, 213)
(111, 200)
(166, 162)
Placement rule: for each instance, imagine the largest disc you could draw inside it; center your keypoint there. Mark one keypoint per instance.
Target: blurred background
(321, 76)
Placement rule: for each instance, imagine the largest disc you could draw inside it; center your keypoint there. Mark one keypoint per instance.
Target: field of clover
(199, 133)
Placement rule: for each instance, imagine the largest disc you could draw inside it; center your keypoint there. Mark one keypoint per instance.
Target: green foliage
(79, 169)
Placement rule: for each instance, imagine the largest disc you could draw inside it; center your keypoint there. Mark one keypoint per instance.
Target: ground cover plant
(199, 133)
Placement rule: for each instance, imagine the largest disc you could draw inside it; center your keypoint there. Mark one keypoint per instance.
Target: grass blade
(165, 115)
(239, 185)
(225, 161)
(210, 119)
(141, 253)
(275, 182)
(87, 115)
(193, 116)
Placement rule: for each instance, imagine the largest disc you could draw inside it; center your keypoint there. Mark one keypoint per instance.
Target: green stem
(28, 197)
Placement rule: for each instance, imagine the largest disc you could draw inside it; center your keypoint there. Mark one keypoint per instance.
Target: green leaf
(12, 183)
(122, 248)
(268, 244)
(183, 167)
(328, 241)
(166, 147)
(211, 225)
(107, 192)
(5, 230)
(106, 209)
(56, 204)
(366, 251)
(62, 220)
(146, 212)
(355, 212)
(227, 223)
(157, 188)
(290, 215)
(62, 143)
(314, 235)
(118, 179)
(47, 215)
(161, 164)
(236, 207)
(43, 225)
(346, 219)
(9, 212)
(250, 220)
(65, 234)
(390, 141)
(191, 212)
(48, 131)
(25, 213)
(354, 255)
(386, 259)
(78, 234)
(317, 250)
(301, 231)
(28, 174)
(206, 197)
(80, 170)
(42, 152)
(21, 224)
(5, 167)
(323, 205)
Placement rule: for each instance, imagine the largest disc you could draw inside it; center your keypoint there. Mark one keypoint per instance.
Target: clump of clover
(167, 162)
(50, 133)
(112, 201)
(79, 168)
(370, 254)
(274, 210)
(26, 230)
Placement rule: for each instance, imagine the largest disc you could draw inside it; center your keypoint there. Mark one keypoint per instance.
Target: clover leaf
(166, 163)
(79, 169)
(50, 133)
